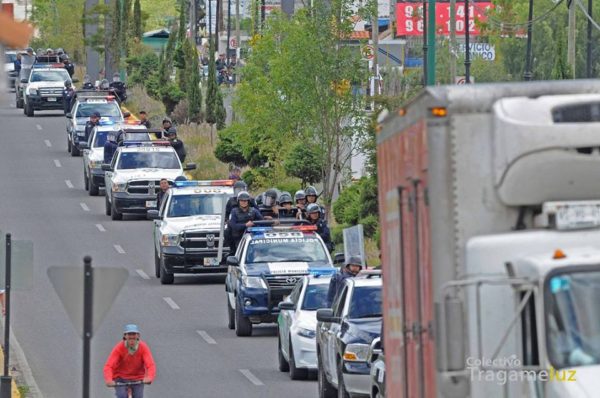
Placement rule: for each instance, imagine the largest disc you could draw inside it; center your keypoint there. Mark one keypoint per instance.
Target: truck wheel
(94, 189)
(86, 182)
(230, 315)
(326, 390)
(107, 207)
(243, 326)
(114, 213)
(296, 373)
(342, 393)
(165, 279)
(29, 110)
(156, 265)
(19, 104)
(75, 151)
(284, 365)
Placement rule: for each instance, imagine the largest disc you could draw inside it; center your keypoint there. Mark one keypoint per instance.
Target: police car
(93, 151)
(133, 177)
(84, 104)
(44, 90)
(267, 265)
(188, 229)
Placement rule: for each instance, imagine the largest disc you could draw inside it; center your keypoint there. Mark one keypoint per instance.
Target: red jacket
(120, 364)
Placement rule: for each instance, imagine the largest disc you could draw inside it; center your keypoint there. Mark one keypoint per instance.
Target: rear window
(108, 109)
(100, 140)
(10, 58)
(366, 302)
(315, 297)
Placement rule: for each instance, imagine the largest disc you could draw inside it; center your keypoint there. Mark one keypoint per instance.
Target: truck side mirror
(450, 322)
(233, 261)
(326, 315)
(106, 167)
(287, 305)
(374, 350)
(69, 116)
(339, 258)
(24, 80)
(152, 215)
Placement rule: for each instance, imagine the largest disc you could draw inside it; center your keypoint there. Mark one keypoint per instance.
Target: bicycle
(129, 385)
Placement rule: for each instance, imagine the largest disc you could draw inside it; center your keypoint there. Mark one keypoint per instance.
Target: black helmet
(68, 83)
(172, 131)
(270, 197)
(354, 260)
(310, 191)
(285, 197)
(239, 186)
(243, 195)
(313, 208)
(299, 195)
(167, 119)
(180, 178)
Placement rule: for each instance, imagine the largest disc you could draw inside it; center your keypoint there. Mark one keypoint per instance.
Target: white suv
(44, 90)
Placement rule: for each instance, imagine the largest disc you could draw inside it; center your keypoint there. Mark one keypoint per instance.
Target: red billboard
(409, 18)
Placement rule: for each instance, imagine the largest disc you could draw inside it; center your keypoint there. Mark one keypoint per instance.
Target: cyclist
(130, 361)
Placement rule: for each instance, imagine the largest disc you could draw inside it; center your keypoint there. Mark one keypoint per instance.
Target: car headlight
(308, 333)
(169, 240)
(34, 91)
(356, 352)
(253, 282)
(95, 164)
(119, 187)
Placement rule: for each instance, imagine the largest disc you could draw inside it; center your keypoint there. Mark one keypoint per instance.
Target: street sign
(485, 51)
(354, 243)
(68, 283)
(463, 80)
(368, 52)
(22, 263)
(233, 43)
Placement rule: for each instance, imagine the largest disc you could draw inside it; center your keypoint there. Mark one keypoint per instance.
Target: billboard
(409, 18)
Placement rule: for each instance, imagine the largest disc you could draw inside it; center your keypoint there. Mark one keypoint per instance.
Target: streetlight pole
(431, 44)
(588, 68)
(228, 27)
(528, 74)
(467, 49)
(425, 49)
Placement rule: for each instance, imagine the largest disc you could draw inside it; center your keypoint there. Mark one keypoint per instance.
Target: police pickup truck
(133, 177)
(43, 90)
(93, 150)
(188, 228)
(268, 263)
(84, 104)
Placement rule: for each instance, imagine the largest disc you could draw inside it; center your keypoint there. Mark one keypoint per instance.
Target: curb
(15, 391)
(134, 117)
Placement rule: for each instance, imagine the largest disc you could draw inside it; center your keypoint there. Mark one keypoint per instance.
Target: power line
(588, 16)
(502, 24)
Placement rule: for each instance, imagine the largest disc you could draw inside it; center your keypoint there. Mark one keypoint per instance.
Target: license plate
(211, 262)
(577, 216)
(52, 99)
(151, 203)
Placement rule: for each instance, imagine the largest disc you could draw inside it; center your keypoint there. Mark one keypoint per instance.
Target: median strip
(171, 303)
(253, 379)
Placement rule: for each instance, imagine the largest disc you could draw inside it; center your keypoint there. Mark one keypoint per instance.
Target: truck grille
(200, 240)
(144, 187)
(286, 282)
(50, 91)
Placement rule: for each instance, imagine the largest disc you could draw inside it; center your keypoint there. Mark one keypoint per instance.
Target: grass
(138, 99)
(200, 144)
(23, 391)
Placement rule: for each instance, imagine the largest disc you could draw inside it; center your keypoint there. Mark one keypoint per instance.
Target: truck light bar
(204, 183)
(145, 143)
(319, 272)
(132, 122)
(301, 228)
(105, 122)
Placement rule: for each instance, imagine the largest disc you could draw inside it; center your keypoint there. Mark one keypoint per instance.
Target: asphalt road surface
(43, 200)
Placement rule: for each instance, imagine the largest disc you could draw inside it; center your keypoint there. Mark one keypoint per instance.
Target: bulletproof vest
(267, 211)
(242, 218)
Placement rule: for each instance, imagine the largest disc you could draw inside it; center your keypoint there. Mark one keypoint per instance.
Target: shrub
(180, 112)
(337, 233)
(370, 224)
(303, 162)
(346, 209)
(227, 149)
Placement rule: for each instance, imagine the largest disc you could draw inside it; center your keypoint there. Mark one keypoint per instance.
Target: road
(43, 200)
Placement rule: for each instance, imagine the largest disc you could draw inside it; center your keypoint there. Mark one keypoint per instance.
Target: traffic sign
(368, 52)
(233, 43)
(463, 80)
(68, 283)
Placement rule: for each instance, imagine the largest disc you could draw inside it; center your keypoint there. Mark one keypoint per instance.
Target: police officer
(352, 268)
(286, 211)
(164, 187)
(311, 197)
(144, 120)
(111, 144)
(69, 66)
(232, 202)
(313, 212)
(118, 88)
(67, 96)
(87, 83)
(90, 124)
(242, 217)
(176, 144)
(269, 209)
(166, 125)
(300, 199)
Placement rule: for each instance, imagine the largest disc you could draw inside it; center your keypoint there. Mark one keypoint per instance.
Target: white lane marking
(142, 274)
(48, 143)
(84, 207)
(100, 228)
(171, 303)
(206, 337)
(57, 163)
(69, 183)
(37, 126)
(253, 379)
(119, 249)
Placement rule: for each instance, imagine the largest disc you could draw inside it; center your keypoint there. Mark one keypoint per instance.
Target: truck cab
(44, 89)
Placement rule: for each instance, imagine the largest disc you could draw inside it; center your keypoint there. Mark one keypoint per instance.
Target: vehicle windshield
(10, 58)
(141, 136)
(100, 139)
(270, 250)
(573, 319)
(315, 297)
(195, 205)
(148, 160)
(366, 302)
(59, 75)
(107, 109)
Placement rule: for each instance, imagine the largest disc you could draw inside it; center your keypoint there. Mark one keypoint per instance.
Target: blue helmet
(131, 328)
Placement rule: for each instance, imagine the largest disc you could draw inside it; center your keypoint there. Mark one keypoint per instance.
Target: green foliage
(137, 20)
(337, 233)
(170, 95)
(141, 67)
(303, 162)
(166, 65)
(160, 13)
(346, 209)
(227, 150)
(220, 112)
(193, 85)
(370, 224)
(357, 204)
(211, 90)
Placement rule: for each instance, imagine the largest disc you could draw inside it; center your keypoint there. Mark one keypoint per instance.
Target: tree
(303, 162)
(211, 87)
(179, 56)
(220, 111)
(193, 90)
(137, 20)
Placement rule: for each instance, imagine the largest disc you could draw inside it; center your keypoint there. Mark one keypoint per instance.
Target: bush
(370, 224)
(347, 207)
(180, 112)
(170, 96)
(337, 233)
(303, 162)
(227, 149)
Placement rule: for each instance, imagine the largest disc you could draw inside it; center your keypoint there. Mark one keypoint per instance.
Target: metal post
(467, 49)
(588, 66)
(6, 379)
(91, 28)
(453, 46)
(217, 12)
(528, 61)
(237, 28)
(431, 44)
(228, 27)
(88, 316)
(209, 23)
(425, 69)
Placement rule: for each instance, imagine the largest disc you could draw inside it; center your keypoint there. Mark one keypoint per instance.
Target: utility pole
(91, 28)
(431, 44)
(194, 22)
(237, 28)
(571, 38)
(425, 49)
(528, 61)
(375, 40)
(588, 67)
(453, 46)
(467, 49)
(228, 27)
